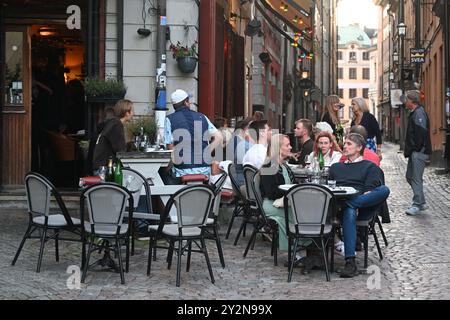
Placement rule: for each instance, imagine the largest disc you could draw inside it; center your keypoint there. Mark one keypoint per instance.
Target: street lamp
(395, 56)
(401, 28)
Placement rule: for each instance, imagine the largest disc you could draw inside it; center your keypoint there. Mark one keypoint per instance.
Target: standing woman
(362, 117)
(331, 116)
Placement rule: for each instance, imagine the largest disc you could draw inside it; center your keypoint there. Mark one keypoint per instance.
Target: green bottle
(118, 175)
(109, 176)
(321, 160)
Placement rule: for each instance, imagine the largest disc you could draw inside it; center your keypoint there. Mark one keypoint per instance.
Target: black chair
(106, 208)
(134, 181)
(212, 226)
(262, 224)
(240, 201)
(39, 191)
(193, 205)
(307, 209)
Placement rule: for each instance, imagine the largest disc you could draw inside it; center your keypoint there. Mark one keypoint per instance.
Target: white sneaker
(339, 248)
(413, 211)
(423, 207)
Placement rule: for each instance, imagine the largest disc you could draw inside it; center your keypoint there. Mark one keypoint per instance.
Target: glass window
(366, 93)
(13, 68)
(340, 73)
(352, 56)
(365, 56)
(352, 93)
(352, 73)
(366, 73)
(339, 55)
(341, 94)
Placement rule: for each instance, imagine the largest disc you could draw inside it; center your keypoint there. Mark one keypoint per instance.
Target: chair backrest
(134, 181)
(193, 204)
(256, 187)
(106, 204)
(39, 191)
(217, 194)
(249, 172)
(233, 177)
(307, 205)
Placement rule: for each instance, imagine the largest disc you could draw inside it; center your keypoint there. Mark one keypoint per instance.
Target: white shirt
(329, 160)
(255, 156)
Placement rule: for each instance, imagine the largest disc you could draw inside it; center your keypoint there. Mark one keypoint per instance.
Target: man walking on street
(417, 149)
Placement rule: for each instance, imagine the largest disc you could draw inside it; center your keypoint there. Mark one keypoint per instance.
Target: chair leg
(240, 231)
(292, 260)
(170, 254)
(366, 246)
(332, 253)
(149, 260)
(382, 232)
(180, 252)
(375, 237)
(188, 264)
(86, 264)
(250, 241)
(275, 246)
(127, 254)
(244, 230)
(25, 236)
(41, 251)
(325, 258)
(219, 246)
(230, 225)
(119, 254)
(133, 237)
(205, 252)
(56, 245)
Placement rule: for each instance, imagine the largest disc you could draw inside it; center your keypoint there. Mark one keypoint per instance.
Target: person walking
(417, 149)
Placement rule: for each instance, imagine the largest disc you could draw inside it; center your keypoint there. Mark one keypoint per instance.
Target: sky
(362, 11)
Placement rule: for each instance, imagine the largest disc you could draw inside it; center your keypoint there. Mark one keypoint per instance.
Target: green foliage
(148, 123)
(109, 87)
(179, 51)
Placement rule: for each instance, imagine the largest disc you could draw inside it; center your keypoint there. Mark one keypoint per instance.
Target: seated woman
(327, 145)
(273, 174)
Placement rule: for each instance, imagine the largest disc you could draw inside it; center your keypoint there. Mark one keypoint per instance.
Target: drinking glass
(102, 173)
(332, 184)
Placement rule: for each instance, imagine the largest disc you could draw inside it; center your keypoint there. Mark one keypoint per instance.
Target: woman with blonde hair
(331, 116)
(362, 117)
(327, 146)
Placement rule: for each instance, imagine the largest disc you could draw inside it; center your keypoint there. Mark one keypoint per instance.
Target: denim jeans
(366, 204)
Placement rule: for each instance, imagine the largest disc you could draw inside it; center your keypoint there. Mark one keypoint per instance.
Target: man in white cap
(188, 133)
(417, 148)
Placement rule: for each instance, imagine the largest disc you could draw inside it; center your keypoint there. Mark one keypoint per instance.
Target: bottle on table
(109, 176)
(118, 174)
(321, 160)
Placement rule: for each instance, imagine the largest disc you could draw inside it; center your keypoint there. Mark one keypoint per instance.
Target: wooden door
(15, 112)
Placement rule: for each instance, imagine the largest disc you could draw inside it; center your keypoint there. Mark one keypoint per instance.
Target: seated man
(365, 177)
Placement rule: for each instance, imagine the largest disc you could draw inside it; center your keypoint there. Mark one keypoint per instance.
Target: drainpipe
(160, 91)
(119, 5)
(417, 36)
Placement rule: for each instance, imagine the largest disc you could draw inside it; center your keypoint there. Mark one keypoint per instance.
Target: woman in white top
(325, 143)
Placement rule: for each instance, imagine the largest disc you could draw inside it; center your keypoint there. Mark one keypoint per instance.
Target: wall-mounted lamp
(305, 74)
(395, 56)
(253, 28)
(401, 28)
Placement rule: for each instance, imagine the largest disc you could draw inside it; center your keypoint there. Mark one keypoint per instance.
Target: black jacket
(418, 133)
(111, 140)
(269, 183)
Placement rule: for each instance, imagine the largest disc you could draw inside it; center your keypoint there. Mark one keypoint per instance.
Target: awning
(295, 13)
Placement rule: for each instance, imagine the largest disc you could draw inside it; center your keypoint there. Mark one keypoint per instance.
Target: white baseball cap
(324, 126)
(178, 96)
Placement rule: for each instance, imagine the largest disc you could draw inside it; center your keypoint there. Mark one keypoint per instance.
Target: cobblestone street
(416, 263)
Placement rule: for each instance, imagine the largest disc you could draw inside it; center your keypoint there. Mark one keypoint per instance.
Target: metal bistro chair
(252, 210)
(39, 191)
(263, 225)
(306, 210)
(240, 202)
(106, 204)
(211, 228)
(134, 181)
(193, 205)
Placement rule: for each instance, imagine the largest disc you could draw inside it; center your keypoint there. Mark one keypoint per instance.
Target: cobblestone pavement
(416, 264)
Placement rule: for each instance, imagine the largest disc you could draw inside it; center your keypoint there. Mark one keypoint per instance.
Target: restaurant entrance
(42, 68)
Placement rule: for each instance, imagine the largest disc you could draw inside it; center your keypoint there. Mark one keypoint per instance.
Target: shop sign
(417, 55)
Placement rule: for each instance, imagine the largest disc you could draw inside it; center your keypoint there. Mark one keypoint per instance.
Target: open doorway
(58, 107)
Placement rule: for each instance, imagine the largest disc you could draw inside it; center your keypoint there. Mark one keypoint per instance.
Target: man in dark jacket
(417, 149)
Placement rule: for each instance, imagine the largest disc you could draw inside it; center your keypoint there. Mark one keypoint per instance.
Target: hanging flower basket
(187, 64)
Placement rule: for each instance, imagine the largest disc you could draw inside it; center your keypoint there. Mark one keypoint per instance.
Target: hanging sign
(417, 55)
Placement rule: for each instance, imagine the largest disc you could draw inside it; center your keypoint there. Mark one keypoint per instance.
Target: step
(19, 201)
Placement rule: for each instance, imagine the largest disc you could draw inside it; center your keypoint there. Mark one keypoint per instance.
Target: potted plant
(107, 90)
(186, 56)
(142, 125)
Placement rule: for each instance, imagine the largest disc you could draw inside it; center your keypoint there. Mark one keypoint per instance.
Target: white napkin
(279, 203)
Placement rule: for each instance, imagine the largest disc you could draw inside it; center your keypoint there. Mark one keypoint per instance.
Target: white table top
(337, 190)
